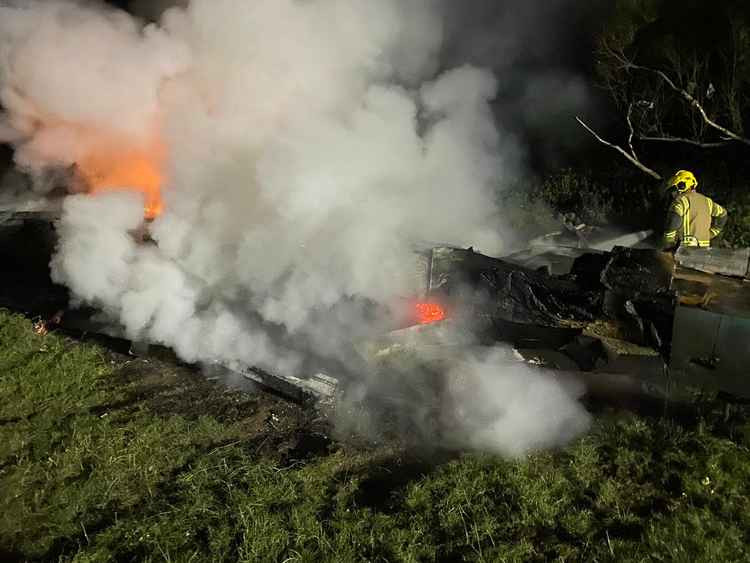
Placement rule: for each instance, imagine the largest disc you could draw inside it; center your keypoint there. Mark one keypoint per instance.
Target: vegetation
(677, 74)
(622, 197)
(94, 469)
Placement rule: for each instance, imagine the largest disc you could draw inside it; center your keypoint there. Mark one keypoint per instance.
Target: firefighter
(694, 219)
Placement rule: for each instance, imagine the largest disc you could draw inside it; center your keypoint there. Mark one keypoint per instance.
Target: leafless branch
(632, 157)
(631, 130)
(668, 139)
(692, 101)
(627, 64)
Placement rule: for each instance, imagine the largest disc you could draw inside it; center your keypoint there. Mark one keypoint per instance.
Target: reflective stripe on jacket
(694, 220)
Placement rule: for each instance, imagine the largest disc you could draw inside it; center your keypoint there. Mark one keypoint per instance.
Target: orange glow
(135, 169)
(428, 313)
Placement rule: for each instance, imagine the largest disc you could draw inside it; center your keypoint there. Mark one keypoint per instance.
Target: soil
(274, 426)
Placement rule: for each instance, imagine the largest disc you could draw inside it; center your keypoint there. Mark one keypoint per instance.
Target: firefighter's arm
(674, 224)
(719, 218)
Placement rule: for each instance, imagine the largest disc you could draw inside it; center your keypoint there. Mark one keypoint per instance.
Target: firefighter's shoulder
(679, 205)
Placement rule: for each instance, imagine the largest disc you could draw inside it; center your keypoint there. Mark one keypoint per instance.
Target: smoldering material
(307, 143)
(297, 173)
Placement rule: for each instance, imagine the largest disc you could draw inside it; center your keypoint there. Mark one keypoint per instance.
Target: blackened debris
(637, 273)
(530, 297)
(508, 292)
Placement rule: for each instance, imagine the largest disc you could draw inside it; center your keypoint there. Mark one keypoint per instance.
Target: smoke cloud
(466, 396)
(297, 150)
(511, 410)
(541, 49)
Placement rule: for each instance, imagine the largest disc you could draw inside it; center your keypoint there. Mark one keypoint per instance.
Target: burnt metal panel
(711, 350)
(733, 351)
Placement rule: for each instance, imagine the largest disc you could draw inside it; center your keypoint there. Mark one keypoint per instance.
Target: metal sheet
(733, 351)
(724, 261)
(711, 350)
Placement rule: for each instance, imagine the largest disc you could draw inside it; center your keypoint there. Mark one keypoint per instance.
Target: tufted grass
(92, 469)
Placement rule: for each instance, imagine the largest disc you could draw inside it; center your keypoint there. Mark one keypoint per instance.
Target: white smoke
(438, 386)
(71, 75)
(308, 143)
(513, 409)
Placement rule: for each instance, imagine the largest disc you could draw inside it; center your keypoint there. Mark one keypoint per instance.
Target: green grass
(92, 470)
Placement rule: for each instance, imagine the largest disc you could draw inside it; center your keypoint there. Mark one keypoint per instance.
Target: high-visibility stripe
(715, 232)
(710, 206)
(686, 219)
(671, 235)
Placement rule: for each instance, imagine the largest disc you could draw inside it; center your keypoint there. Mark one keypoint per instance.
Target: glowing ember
(40, 327)
(428, 313)
(129, 169)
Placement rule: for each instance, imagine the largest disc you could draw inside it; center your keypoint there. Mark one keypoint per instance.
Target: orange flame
(428, 313)
(134, 169)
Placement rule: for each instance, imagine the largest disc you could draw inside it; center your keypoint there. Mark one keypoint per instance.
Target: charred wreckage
(619, 316)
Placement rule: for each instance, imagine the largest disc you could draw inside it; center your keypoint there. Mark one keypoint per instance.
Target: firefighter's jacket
(694, 220)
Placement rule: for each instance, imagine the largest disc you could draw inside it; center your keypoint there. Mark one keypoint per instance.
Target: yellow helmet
(684, 181)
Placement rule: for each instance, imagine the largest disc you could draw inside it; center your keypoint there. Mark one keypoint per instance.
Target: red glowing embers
(428, 313)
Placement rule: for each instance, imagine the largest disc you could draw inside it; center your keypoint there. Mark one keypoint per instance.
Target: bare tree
(649, 104)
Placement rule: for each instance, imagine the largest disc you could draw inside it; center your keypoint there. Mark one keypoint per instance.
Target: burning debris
(42, 327)
(284, 165)
(250, 198)
(428, 313)
(121, 168)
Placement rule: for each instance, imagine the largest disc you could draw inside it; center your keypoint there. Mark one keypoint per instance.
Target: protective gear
(684, 181)
(694, 220)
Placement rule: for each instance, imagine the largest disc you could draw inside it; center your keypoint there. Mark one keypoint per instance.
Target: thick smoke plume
(512, 409)
(290, 152)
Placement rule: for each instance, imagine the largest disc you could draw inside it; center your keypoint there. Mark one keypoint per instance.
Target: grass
(93, 469)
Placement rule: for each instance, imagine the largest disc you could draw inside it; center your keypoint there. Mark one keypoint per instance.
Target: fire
(428, 313)
(136, 169)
